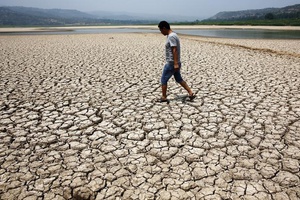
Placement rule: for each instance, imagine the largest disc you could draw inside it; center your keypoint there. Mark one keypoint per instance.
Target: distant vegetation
(24, 16)
(287, 16)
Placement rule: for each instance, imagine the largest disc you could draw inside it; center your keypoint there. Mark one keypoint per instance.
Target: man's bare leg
(186, 87)
(164, 91)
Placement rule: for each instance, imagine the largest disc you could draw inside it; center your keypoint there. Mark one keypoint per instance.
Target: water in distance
(244, 33)
(219, 33)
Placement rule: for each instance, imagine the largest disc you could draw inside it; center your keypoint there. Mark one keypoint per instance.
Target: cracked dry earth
(77, 120)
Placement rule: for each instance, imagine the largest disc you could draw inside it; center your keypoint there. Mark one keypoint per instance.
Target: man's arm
(175, 56)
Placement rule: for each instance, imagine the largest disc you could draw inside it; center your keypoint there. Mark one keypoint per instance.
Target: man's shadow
(181, 98)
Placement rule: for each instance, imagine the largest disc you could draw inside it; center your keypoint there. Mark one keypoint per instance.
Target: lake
(220, 33)
(244, 33)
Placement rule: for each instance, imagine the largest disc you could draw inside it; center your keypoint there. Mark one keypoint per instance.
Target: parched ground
(78, 121)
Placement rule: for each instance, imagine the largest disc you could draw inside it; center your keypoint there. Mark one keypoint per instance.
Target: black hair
(164, 24)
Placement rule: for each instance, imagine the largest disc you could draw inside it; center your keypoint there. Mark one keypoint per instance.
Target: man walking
(173, 64)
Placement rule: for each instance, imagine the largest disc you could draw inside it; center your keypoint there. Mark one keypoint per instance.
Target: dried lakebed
(77, 119)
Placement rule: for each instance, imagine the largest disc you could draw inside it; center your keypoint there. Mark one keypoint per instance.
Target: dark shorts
(168, 72)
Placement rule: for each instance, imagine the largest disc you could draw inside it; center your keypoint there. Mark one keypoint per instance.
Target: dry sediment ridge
(280, 47)
(77, 119)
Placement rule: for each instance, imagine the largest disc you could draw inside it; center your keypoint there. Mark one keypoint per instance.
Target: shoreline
(289, 47)
(150, 27)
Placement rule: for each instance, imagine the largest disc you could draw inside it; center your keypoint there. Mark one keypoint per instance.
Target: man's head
(164, 27)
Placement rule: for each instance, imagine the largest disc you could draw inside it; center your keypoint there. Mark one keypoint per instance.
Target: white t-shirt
(172, 41)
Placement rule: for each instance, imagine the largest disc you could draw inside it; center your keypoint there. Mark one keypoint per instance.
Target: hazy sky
(200, 8)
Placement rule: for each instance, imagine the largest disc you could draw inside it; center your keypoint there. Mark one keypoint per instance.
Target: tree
(269, 16)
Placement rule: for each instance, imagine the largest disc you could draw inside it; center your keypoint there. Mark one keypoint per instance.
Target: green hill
(289, 12)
